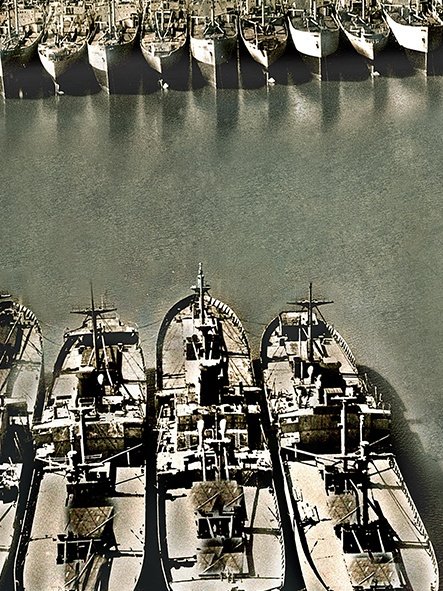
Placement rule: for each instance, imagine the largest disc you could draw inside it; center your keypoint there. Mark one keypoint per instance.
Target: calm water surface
(338, 183)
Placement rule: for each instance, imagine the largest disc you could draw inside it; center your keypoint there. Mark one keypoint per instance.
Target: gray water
(338, 183)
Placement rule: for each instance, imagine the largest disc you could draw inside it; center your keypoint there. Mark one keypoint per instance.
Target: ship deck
(123, 561)
(173, 357)
(321, 512)
(262, 564)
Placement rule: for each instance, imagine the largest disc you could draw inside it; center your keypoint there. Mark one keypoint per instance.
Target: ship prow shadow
(422, 473)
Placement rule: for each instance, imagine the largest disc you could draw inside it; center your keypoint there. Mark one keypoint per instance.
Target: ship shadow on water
(422, 473)
(30, 82)
(177, 77)
(293, 579)
(151, 577)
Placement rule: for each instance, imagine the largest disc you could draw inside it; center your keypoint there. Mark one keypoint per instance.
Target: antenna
(200, 289)
(94, 328)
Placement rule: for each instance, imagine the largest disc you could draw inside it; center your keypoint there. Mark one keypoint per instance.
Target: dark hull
(107, 62)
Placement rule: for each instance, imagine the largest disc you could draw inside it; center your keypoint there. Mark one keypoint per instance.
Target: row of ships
(235, 457)
(106, 32)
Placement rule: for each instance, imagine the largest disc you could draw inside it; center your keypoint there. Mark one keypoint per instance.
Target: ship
(365, 27)
(86, 518)
(64, 42)
(418, 28)
(116, 27)
(219, 524)
(164, 32)
(21, 28)
(314, 33)
(355, 524)
(21, 391)
(213, 33)
(264, 32)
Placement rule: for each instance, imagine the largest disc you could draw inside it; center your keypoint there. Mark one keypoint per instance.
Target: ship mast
(212, 15)
(16, 16)
(309, 305)
(112, 16)
(200, 289)
(9, 21)
(94, 330)
(94, 313)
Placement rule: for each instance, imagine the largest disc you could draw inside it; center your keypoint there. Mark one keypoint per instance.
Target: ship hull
(249, 553)
(421, 39)
(322, 433)
(212, 55)
(162, 57)
(328, 566)
(107, 60)
(85, 523)
(19, 50)
(265, 42)
(366, 39)
(21, 382)
(213, 50)
(265, 57)
(318, 44)
(57, 61)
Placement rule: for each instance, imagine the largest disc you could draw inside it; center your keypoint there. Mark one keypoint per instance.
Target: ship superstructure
(21, 387)
(89, 516)
(355, 524)
(219, 525)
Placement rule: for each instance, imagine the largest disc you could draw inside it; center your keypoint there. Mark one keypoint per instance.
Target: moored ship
(355, 524)
(164, 32)
(213, 33)
(364, 25)
(65, 38)
(21, 388)
(218, 519)
(314, 33)
(88, 509)
(264, 32)
(116, 28)
(21, 28)
(418, 28)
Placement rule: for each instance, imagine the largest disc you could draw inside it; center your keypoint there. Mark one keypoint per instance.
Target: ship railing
(417, 518)
(344, 345)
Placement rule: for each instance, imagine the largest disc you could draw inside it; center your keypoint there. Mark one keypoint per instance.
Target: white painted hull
(162, 56)
(57, 61)
(423, 38)
(366, 40)
(318, 44)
